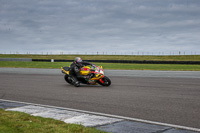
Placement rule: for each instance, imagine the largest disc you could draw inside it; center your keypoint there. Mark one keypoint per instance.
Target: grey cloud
(115, 25)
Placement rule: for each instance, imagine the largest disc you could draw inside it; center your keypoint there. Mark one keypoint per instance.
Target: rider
(74, 71)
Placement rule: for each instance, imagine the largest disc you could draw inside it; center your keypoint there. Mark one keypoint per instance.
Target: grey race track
(162, 96)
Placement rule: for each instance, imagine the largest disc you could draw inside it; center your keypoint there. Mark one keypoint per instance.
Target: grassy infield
(17, 122)
(11, 122)
(173, 67)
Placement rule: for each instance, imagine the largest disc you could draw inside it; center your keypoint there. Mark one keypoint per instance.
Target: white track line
(114, 116)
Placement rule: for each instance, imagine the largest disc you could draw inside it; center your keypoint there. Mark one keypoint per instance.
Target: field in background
(118, 66)
(108, 57)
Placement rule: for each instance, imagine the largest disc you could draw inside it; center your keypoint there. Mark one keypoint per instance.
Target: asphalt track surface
(167, 98)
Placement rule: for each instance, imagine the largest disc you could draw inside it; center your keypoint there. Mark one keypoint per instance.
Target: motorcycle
(95, 73)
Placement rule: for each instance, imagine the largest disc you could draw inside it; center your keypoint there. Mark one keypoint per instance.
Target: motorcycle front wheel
(106, 81)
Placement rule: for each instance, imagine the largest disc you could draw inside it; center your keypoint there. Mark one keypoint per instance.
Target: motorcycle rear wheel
(66, 77)
(106, 81)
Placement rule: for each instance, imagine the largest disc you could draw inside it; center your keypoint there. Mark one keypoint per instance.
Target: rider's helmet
(78, 61)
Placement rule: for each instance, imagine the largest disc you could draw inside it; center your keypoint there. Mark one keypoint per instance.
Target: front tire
(106, 81)
(66, 77)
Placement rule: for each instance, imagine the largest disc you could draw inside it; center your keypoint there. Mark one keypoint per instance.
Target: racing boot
(76, 84)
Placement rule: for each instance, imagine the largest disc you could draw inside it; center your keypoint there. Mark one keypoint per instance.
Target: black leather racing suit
(74, 72)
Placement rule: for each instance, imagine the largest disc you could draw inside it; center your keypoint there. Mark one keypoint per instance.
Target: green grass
(119, 66)
(172, 67)
(108, 57)
(17, 122)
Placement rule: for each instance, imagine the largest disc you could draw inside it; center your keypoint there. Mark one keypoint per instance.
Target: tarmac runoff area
(104, 122)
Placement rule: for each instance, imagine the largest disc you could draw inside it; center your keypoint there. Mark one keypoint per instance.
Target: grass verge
(108, 57)
(118, 66)
(15, 122)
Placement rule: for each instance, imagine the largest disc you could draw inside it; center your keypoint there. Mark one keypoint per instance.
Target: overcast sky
(100, 26)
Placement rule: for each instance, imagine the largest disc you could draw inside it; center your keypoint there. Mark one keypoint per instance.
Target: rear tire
(106, 80)
(66, 77)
